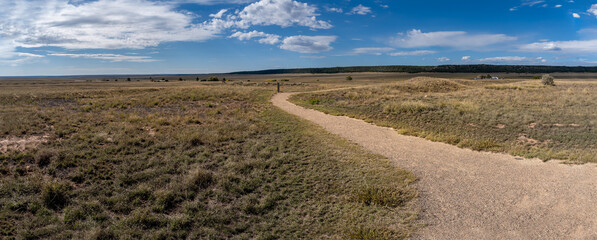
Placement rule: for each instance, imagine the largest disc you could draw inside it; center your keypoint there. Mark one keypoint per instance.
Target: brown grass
(523, 118)
(184, 160)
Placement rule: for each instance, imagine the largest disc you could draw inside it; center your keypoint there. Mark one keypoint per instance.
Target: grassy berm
(519, 117)
(151, 161)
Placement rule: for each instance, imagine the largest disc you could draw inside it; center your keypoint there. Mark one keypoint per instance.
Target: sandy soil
(478, 195)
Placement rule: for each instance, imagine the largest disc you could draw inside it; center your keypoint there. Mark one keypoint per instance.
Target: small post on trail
(278, 86)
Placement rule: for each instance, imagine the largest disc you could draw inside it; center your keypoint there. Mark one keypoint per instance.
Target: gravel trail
(464, 194)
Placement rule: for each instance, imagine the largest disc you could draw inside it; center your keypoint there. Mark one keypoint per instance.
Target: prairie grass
(186, 161)
(524, 118)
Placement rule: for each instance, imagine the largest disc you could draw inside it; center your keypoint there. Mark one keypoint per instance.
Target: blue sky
(62, 37)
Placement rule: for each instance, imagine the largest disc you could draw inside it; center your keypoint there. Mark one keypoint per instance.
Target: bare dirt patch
(21, 143)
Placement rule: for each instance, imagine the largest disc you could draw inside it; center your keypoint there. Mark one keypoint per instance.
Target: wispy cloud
(370, 50)
(593, 10)
(360, 10)
(412, 53)
(529, 3)
(504, 59)
(580, 46)
(453, 39)
(109, 57)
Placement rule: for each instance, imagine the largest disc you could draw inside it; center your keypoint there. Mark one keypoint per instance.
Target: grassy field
(518, 116)
(184, 160)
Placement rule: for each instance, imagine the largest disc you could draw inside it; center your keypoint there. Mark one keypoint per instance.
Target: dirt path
(478, 195)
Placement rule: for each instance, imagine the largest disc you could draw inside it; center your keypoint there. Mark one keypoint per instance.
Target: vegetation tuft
(548, 80)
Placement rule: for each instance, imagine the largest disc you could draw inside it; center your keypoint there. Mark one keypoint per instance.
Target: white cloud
(137, 24)
(213, 2)
(110, 57)
(284, 13)
(575, 15)
(593, 10)
(580, 46)
(532, 3)
(412, 53)
(308, 44)
(337, 10)
(558, 6)
(219, 14)
(466, 58)
(102, 24)
(529, 3)
(360, 10)
(265, 38)
(454, 39)
(372, 51)
(443, 59)
(505, 59)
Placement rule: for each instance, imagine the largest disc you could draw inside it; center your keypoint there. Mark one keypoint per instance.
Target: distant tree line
(482, 68)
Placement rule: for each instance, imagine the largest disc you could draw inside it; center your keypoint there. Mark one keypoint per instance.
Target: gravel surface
(464, 194)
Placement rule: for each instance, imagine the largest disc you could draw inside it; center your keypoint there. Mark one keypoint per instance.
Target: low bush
(548, 80)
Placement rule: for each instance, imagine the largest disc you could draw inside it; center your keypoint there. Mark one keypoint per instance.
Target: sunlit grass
(185, 161)
(524, 118)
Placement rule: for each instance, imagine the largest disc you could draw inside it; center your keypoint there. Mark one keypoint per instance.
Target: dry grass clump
(407, 107)
(426, 84)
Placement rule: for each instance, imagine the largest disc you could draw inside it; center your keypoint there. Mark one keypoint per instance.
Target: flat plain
(97, 159)
(105, 157)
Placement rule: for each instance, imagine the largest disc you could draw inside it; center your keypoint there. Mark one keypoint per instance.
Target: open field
(518, 116)
(176, 160)
(89, 158)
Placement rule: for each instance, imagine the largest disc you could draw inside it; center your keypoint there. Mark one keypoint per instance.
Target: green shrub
(314, 101)
(548, 80)
(348, 78)
(213, 79)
